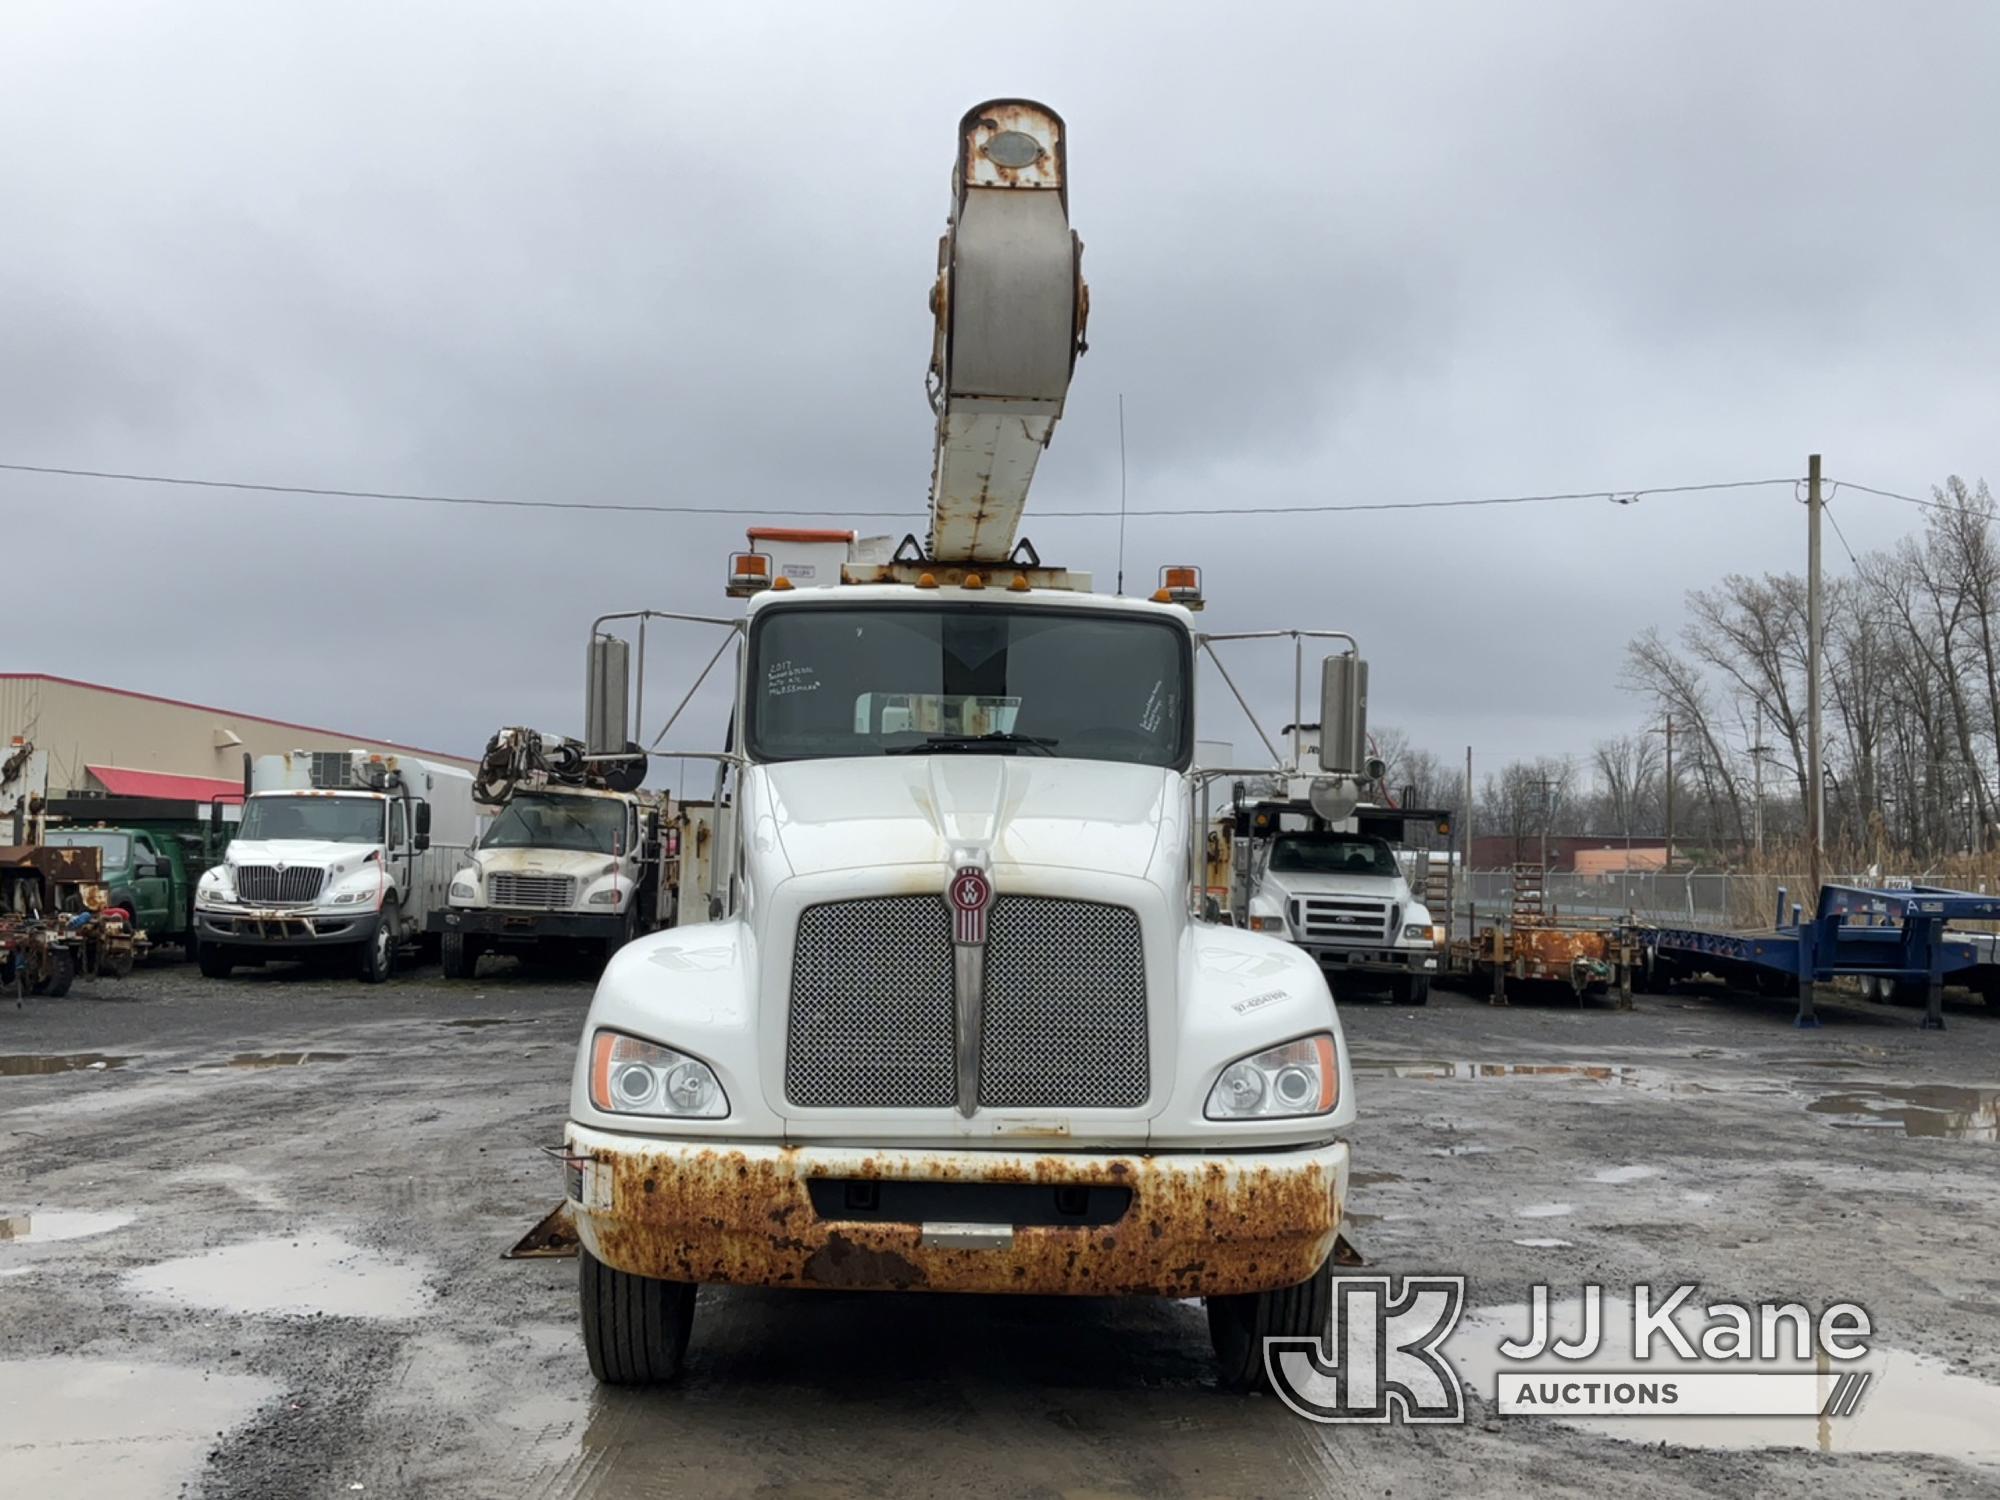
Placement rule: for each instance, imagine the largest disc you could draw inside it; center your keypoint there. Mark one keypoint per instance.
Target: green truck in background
(154, 852)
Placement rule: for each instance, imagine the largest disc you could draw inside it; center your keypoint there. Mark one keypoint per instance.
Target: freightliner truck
(576, 858)
(964, 1016)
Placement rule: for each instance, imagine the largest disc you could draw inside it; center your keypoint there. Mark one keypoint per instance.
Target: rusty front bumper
(1185, 1225)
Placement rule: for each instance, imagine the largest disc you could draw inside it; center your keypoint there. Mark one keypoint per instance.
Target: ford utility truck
(964, 1017)
(339, 855)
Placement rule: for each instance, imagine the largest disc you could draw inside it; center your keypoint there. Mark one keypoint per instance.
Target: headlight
(1417, 932)
(464, 890)
(218, 893)
(606, 897)
(1267, 924)
(1296, 1078)
(350, 898)
(631, 1077)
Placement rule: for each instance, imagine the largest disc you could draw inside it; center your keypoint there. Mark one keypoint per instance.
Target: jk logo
(1380, 1361)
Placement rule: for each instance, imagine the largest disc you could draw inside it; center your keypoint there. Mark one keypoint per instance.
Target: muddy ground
(261, 1258)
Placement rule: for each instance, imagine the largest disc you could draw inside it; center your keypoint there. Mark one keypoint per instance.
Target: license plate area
(1018, 1205)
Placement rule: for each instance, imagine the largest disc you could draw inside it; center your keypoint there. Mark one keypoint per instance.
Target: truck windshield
(339, 820)
(1332, 854)
(116, 846)
(594, 824)
(905, 679)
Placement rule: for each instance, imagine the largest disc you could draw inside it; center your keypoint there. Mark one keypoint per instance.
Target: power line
(1954, 510)
(1617, 496)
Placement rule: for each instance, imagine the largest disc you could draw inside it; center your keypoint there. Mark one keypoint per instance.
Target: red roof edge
(121, 781)
(796, 534)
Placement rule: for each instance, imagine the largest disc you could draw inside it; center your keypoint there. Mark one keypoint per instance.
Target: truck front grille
(274, 887)
(1064, 1008)
(1345, 919)
(535, 892)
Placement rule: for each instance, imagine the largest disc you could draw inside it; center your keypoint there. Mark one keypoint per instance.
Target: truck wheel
(628, 930)
(459, 955)
(214, 960)
(635, 1329)
(1239, 1324)
(378, 954)
(1413, 989)
(62, 972)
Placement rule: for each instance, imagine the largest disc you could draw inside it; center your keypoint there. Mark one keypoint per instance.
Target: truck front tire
(1413, 989)
(62, 973)
(459, 955)
(635, 1329)
(378, 954)
(1239, 1324)
(214, 960)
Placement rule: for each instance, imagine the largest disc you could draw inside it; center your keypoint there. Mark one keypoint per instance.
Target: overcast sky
(679, 254)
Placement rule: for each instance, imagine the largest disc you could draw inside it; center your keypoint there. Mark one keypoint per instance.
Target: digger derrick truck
(964, 1017)
(576, 857)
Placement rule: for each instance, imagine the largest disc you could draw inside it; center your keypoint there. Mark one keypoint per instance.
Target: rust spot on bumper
(1194, 1226)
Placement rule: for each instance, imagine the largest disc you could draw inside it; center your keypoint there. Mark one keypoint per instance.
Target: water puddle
(1937, 1110)
(289, 1277)
(1545, 1211)
(1545, 1244)
(1912, 1404)
(110, 1430)
(40, 1228)
(274, 1060)
(28, 1065)
(476, 1022)
(1641, 1079)
(1459, 1151)
(1624, 1174)
(1372, 1179)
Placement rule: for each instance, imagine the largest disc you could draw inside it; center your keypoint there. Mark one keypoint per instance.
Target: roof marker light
(974, 581)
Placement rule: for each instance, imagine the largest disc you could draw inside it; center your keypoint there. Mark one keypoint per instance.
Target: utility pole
(1815, 792)
(1757, 748)
(1466, 824)
(1670, 792)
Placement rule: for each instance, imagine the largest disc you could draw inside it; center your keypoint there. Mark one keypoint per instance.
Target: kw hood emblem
(969, 894)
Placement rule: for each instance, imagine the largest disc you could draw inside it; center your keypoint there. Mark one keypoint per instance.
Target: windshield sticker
(787, 677)
(1156, 708)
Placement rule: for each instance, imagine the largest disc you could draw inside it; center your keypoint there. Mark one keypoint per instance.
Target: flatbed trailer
(1897, 936)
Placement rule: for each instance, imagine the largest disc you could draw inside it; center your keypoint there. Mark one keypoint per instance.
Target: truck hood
(829, 815)
(321, 854)
(584, 864)
(1288, 883)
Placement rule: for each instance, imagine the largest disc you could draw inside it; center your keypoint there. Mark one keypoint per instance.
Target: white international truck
(964, 1017)
(576, 857)
(340, 855)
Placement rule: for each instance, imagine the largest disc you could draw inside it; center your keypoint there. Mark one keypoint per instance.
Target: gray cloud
(666, 254)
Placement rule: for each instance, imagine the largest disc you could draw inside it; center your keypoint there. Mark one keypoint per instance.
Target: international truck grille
(1339, 919)
(1064, 1009)
(269, 885)
(536, 892)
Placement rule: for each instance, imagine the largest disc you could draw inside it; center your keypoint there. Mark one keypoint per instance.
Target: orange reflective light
(926, 580)
(1329, 1072)
(1180, 578)
(781, 584)
(1161, 596)
(1020, 583)
(750, 564)
(974, 581)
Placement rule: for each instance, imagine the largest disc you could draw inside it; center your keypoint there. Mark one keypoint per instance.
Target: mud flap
(1345, 1253)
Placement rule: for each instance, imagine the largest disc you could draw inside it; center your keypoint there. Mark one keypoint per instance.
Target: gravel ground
(262, 1249)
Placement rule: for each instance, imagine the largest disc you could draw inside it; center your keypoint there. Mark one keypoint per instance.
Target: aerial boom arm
(1011, 306)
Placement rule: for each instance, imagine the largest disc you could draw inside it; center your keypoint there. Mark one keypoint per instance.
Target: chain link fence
(1721, 902)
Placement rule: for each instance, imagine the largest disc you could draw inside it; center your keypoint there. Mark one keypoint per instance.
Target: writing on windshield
(899, 679)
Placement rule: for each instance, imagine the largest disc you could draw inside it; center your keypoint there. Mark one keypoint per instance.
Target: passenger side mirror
(422, 841)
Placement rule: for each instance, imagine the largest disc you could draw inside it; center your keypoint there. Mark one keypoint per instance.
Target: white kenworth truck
(341, 855)
(964, 1016)
(576, 859)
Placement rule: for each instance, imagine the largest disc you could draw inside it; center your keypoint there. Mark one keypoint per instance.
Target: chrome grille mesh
(1065, 1006)
(871, 1011)
(268, 883)
(540, 892)
(1064, 1010)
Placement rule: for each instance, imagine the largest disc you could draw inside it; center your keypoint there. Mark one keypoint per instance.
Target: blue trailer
(1898, 936)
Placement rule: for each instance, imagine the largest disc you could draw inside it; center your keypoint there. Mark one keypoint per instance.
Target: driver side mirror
(423, 839)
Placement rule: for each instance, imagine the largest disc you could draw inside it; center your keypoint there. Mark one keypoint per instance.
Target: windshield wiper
(976, 743)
